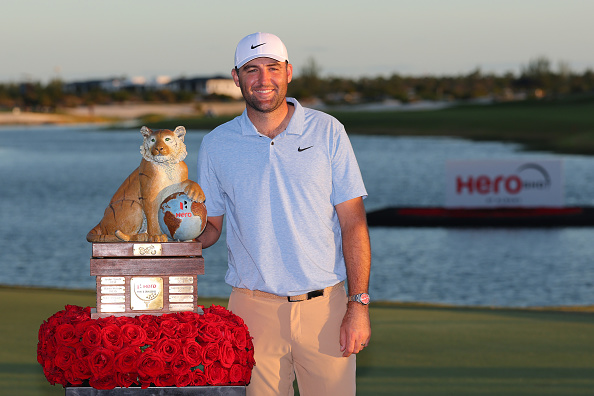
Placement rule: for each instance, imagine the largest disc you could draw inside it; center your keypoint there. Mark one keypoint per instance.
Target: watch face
(365, 298)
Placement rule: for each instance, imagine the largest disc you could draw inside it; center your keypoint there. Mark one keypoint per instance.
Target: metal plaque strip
(181, 289)
(181, 298)
(111, 299)
(181, 307)
(113, 289)
(147, 249)
(113, 308)
(181, 280)
(113, 280)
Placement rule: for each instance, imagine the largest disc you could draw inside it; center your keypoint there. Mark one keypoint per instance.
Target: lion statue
(132, 213)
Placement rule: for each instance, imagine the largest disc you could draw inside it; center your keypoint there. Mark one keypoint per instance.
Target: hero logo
(183, 206)
(535, 178)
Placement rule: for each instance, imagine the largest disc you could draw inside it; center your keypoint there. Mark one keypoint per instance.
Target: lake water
(56, 181)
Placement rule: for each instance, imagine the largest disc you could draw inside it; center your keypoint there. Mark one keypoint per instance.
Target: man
(288, 181)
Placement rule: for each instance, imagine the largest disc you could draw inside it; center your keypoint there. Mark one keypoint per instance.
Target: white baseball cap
(260, 45)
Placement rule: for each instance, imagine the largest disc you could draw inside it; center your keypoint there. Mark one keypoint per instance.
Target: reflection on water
(56, 182)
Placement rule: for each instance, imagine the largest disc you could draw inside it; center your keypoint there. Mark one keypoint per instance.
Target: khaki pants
(301, 338)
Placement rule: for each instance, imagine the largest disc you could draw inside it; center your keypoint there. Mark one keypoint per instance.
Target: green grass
(564, 126)
(415, 350)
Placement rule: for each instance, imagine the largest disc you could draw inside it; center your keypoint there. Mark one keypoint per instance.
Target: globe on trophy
(180, 218)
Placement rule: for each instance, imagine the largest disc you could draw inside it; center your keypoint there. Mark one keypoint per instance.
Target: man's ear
(235, 75)
(289, 72)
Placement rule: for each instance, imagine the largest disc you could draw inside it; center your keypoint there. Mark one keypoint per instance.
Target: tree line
(538, 79)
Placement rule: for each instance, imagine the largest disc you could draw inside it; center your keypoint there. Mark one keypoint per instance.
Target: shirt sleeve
(207, 179)
(347, 182)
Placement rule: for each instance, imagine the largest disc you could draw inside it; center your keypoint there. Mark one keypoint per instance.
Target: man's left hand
(355, 330)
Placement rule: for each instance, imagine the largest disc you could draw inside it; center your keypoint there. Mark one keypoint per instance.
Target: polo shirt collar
(295, 126)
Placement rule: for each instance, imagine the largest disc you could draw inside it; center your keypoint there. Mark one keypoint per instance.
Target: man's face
(263, 83)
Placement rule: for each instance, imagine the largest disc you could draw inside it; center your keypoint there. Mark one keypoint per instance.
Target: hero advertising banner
(504, 183)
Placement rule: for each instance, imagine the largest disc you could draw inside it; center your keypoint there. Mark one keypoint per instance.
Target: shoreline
(99, 114)
(586, 309)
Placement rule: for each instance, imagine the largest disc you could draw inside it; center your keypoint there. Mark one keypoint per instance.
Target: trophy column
(146, 278)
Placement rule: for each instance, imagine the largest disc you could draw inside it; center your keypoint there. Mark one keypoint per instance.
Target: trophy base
(146, 279)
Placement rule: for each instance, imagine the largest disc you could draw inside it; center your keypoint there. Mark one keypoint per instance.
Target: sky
(76, 40)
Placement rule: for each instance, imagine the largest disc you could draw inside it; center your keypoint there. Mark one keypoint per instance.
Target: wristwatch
(361, 298)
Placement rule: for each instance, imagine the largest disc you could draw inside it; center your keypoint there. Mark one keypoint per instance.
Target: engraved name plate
(113, 308)
(146, 293)
(181, 280)
(113, 289)
(181, 298)
(181, 289)
(110, 299)
(113, 280)
(147, 249)
(181, 307)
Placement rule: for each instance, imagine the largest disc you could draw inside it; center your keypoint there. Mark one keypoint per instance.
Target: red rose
(153, 333)
(187, 330)
(210, 332)
(188, 317)
(242, 356)
(180, 365)
(83, 352)
(236, 320)
(226, 354)
(198, 378)
(55, 376)
(106, 321)
(169, 327)
(236, 374)
(216, 374)
(211, 317)
(75, 314)
(124, 320)
(239, 337)
(165, 379)
(80, 369)
(72, 378)
(101, 362)
(247, 376)
(150, 364)
(125, 380)
(65, 335)
(92, 336)
(219, 310)
(81, 327)
(104, 381)
(168, 348)
(183, 378)
(145, 382)
(64, 357)
(133, 334)
(192, 352)
(125, 360)
(111, 337)
(210, 353)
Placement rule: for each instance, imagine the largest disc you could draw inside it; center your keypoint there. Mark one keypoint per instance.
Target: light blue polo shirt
(278, 196)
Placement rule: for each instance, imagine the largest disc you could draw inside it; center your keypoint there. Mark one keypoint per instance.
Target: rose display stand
(134, 279)
(146, 278)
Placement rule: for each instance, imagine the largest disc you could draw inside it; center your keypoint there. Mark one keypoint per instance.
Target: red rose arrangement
(177, 349)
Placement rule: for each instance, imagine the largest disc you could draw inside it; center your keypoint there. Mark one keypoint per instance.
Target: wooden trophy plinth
(146, 278)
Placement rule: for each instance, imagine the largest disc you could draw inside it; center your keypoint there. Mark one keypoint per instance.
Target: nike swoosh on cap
(256, 46)
(303, 149)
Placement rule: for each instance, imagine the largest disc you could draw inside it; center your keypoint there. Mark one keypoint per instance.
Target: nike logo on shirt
(303, 149)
